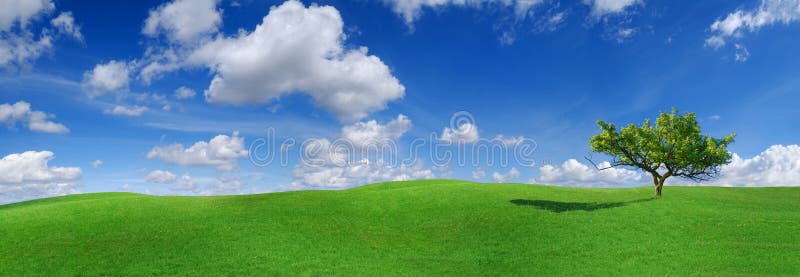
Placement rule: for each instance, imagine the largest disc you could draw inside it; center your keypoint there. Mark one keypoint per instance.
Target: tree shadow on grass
(559, 207)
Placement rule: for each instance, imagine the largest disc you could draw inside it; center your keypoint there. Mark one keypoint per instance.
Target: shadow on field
(558, 207)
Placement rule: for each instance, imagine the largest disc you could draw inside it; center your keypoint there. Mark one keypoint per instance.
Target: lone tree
(673, 146)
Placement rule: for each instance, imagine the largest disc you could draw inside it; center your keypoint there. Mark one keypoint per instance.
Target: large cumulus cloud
(27, 175)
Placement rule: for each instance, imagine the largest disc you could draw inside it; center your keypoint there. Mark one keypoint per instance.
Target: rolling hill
(409, 228)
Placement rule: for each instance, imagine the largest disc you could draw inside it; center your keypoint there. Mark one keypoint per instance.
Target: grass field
(410, 228)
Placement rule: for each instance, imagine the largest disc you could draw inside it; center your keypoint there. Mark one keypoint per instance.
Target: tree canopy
(673, 146)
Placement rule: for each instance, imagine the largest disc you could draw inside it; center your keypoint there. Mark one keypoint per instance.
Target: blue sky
(544, 71)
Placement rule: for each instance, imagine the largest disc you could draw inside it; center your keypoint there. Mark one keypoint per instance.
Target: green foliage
(673, 146)
(420, 228)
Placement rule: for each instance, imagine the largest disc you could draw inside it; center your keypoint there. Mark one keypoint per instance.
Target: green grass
(410, 228)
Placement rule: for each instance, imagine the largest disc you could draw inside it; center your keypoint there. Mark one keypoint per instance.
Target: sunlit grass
(410, 228)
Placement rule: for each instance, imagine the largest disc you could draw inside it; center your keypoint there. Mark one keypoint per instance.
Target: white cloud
(224, 185)
(65, 24)
(321, 152)
(357, 173)
(97, 163)
(160, 177)
(607, 7)
(411, 10)
(36, 121)
(20, 45)
(576, 174)
(507, 38)
(556, 19)
(508, 141)
(624, 33)
(22, 49)
(512, 14)
(735, 24)
(31, 166)
(370, 133)
(351, 160)
(184, 21)
(27, 175)
(159, 59)
(184, 93)
(465, 133)
(185, 183)
(620, 33)
(778, 165)
(22, 11)
(508, 177)
(478, 174)
(523, 7)
(741, 54)
(715, 42)
(298, 49)
(126, 111)
(153, 100)
(220, 152)
(104, 78)
(150, 98)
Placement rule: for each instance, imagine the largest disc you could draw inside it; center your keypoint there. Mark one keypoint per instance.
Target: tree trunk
(658, 182)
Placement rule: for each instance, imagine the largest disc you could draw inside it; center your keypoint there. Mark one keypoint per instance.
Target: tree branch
(597, 167)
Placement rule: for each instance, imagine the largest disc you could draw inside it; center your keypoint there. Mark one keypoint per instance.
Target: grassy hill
(410, 228)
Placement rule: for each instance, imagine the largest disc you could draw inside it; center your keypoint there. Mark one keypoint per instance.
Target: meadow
(429, 227)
